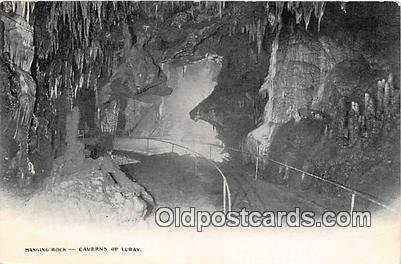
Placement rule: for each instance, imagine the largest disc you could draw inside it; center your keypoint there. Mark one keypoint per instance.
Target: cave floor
(177, 181)
(174, 181)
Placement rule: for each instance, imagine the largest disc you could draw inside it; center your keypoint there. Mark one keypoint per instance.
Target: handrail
(337, 184)
(226, 188)
(353, 192)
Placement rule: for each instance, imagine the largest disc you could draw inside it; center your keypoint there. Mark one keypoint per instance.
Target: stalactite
(319, 8)
(267, 8)
(260, 34)
(344, 7)
(307, 12)
(298, 15)
(267, 87)
(220, 7)
(79, 17)
(279, 12)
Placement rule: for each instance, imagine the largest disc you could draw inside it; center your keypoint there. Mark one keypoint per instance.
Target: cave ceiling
(82, 44)
(87, 45)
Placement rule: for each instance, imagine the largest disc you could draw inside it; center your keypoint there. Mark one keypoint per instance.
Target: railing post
(286, 173)
(257, 165)
(256, 168)
(224, 195)
(195, 165)
(352, 202)
(147, 145)
(172, 147)
(228, 197)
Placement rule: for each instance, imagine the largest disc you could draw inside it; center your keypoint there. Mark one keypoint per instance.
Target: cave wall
(169, 116)
(17, 94)
(334, 79)
(279, 63)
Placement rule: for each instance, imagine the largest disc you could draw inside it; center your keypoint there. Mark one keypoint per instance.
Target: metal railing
(226, 188)
(353, 192)
(226, 191)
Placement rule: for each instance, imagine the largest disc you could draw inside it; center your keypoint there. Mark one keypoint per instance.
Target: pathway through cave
(177, 181)
(181, 180)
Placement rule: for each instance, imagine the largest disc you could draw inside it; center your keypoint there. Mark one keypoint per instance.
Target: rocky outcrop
(316, 72)
(85, 189)
(89, 194)
(19, 90)
(162, 116)
(298, 67)
(333, 106)
(18, 36)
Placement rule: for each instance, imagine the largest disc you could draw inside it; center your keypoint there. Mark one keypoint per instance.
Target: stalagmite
(287, 173)
(342, 118)
(391, 87)
(369, 113)
(353, 123)
(280, 169)
(386, 99)
(380, 91)
(355, 108)
(303, 176)
(361, 124)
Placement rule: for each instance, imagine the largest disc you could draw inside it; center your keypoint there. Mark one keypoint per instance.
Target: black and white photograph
(199, 132)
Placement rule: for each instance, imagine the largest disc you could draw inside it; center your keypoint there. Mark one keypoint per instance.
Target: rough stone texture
(312, 71)
(162, 116)
(136, 111)
(19, 94)
(235, 107)
(331, 78)
(135, 75)
(88, 194)
(84, 189)
(18, 40)
(300, 67)
(5, 135)
(315, 72)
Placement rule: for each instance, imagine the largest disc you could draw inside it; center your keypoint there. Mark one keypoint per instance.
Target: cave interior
(91, 92)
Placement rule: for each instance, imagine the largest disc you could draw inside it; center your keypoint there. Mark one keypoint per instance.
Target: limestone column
(386, 99)
(380, 92)
(353, 123)
(369, 114)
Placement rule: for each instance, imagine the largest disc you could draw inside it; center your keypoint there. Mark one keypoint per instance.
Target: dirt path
(174, 181)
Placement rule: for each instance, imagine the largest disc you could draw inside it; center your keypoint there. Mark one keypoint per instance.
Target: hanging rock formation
(19, 95)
